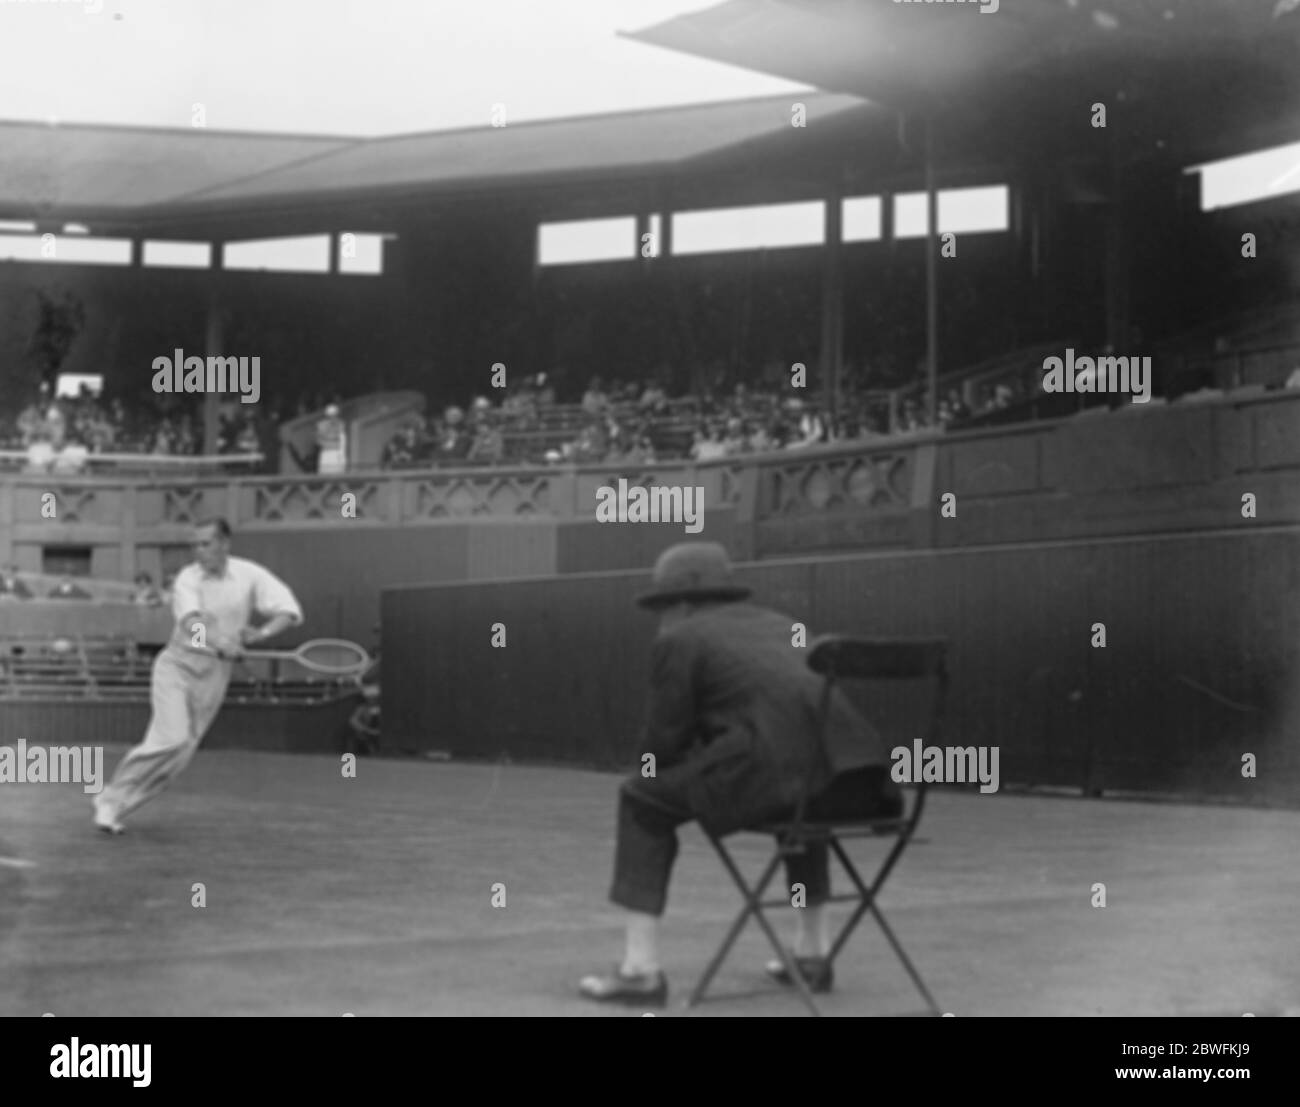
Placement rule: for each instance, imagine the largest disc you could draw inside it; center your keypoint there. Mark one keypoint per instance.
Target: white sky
(364, 67)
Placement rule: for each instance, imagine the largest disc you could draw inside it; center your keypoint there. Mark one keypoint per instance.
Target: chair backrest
(841, 657)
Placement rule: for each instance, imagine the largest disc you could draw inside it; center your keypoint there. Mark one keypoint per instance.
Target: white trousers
(187, 690)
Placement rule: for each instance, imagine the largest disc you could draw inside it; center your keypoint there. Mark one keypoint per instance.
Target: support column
(213, 341)
(1117, 263)
(642, 229)
(931, 276)
(128, 563)
(8, 519)
(832, 337)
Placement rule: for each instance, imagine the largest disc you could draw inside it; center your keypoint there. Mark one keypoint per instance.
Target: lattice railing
(464, 495)
(812, 485)
(341, 498)
(81, 504)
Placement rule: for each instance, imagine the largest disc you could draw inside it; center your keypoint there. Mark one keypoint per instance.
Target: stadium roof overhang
(1187, 80)
(216, 185)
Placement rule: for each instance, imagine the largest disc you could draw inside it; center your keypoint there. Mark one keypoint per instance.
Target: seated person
(488, 446)
(40, 457)
(734, 727)
(401, 449)
(654, 398)
(594, 400)
(145, 592)
(11, 587)
(453, 440)
(364, 721)
(71, 459)
(68, 589)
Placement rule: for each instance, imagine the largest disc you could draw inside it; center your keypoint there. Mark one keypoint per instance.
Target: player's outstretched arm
(275, 625)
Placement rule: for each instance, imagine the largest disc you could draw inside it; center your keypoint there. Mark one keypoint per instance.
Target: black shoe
(816, 972)
(637, 990)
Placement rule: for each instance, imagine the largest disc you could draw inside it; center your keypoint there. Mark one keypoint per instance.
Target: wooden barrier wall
(1200, 665)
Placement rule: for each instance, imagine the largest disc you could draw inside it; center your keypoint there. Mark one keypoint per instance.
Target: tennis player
(213, 599)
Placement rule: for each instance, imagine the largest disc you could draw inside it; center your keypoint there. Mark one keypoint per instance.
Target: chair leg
(753, 906)
(907, 962)
(787, 958)
(867, 902)
(865, 897)
(738, 925)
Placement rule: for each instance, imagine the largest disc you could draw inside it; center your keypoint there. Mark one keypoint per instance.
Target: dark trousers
(651, 809)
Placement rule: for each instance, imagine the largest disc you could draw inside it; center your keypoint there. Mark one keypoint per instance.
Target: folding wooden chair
(836, 658)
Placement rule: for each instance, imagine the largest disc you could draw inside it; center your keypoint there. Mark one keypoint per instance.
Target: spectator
(591, 445)
(145, 592)
(812, 427)
(247, 442)
(332, 440)
(519, 401)
(709, 445)
(163, 443)
(227, 434)
(364, 723)
(594, 400)
(653, 399)
(56, 425)
(735, 441)
(488, 447)
(40, 456)
(642, 451)
(99, 432)
(31, 422)
(71, 459)
(11, 586)
(68, 589)
(401, 450)
(453, 439)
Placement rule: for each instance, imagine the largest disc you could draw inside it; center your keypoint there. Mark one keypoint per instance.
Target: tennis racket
(327, 656)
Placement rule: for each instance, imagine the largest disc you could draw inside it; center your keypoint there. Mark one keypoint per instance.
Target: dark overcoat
(734, 706)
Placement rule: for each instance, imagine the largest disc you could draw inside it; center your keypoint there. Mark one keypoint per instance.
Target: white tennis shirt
(231, 598)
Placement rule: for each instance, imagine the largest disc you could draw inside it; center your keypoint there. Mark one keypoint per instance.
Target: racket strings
(341, 657)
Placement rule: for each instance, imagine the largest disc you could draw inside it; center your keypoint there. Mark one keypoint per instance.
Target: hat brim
(724, 593)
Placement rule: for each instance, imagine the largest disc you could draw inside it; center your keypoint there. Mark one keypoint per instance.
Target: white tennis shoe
(107, 821)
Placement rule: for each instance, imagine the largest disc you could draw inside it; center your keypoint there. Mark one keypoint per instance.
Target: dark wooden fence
(1199, 668)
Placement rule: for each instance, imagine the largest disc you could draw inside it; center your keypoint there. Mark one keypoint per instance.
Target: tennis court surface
(374, 896)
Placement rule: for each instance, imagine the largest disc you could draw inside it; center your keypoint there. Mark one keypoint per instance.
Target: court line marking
(17, 863)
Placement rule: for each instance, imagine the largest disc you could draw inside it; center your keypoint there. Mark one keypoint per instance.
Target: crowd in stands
(626, 422)
(637, 422)
(629, 422)
(60, 434)
(15, 586)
